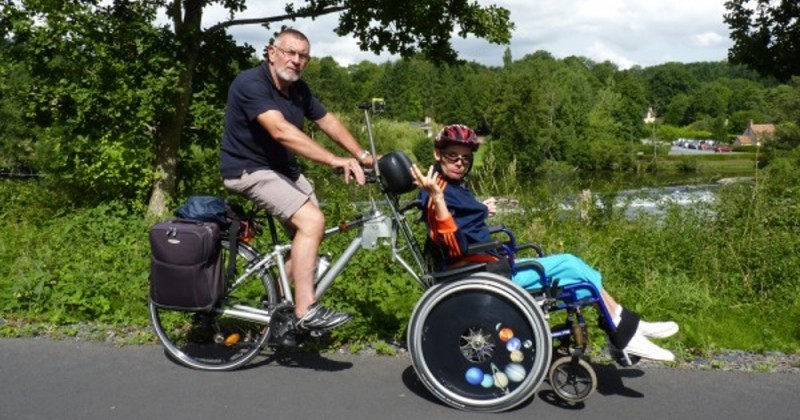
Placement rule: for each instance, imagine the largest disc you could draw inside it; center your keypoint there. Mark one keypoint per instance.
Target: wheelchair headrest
(395, 169)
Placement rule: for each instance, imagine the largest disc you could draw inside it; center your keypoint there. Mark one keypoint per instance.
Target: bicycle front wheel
(221, 340)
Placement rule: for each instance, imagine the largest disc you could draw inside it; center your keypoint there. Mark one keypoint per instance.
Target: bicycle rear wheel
(220, 341)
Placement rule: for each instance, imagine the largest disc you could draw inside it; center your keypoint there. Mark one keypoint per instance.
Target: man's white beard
(287, 76)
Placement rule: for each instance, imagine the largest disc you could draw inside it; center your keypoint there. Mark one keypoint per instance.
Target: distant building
(755, 134)
(426, 125)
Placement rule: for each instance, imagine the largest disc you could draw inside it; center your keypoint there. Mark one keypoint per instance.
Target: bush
(711, 269)
(90, 264)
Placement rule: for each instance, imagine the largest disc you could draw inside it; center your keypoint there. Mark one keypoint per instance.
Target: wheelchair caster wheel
(573, 381)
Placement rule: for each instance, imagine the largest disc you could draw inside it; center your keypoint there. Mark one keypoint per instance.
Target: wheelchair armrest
(535, 247)
(459, 272)
(512, 242)
(482, 247)
(535, 265)
(501, 229)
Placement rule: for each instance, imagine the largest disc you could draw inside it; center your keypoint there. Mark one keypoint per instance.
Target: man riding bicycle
(263, 134)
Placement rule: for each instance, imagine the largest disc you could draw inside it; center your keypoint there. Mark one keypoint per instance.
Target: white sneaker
(642, 347)
(657, 329)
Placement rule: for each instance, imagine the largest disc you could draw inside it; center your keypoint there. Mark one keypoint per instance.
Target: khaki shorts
(275, 192)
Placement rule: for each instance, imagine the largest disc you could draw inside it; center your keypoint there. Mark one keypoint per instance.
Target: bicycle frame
(376, 228)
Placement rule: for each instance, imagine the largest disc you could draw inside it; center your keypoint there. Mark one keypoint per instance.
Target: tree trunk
(168, 137)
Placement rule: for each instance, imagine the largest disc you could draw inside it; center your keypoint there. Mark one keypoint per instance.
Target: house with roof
(755, 134)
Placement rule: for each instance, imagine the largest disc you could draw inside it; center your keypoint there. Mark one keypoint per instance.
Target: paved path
(44, 379)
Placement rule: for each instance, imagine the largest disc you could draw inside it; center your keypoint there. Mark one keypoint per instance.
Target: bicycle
(258, 304)
(476, 340)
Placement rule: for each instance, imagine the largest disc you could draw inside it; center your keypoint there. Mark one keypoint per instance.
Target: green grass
(729, 281)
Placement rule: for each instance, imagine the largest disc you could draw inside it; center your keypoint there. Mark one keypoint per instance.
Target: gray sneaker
(321, 318)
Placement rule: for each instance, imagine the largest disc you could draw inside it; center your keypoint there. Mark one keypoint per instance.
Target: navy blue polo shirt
(246, 145)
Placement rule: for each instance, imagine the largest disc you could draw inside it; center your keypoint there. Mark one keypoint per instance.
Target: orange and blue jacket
(465, 225)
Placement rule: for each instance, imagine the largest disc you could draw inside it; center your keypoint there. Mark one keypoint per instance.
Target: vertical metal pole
(372, 143)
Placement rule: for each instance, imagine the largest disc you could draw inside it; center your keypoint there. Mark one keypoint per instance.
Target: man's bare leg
(309, 223)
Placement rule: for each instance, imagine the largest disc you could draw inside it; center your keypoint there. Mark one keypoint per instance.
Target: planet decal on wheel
(514, 344)
(500, 380)
(515, 372)
(528, 344)
(505, 334)
(517, 356)
(487, 381)
(474, 376)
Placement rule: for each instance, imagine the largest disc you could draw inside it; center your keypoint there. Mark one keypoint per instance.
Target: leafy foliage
(87, 265)
(93, 96)
(766, 36)
(725, 262)
(89, 94)
(407, 27)
(107, 85)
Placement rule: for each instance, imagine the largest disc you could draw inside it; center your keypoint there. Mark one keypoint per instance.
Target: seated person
(456, 219)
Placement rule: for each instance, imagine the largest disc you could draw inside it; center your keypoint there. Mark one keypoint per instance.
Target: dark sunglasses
(452, 158)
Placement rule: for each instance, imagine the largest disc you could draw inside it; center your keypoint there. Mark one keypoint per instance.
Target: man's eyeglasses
(452, 158)
(303, 58)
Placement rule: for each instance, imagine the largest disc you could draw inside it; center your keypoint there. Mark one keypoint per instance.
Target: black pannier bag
(186, 265)
(211, 208)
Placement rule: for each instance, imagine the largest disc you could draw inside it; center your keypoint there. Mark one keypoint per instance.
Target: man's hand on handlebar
(351, 168)
(368, 161)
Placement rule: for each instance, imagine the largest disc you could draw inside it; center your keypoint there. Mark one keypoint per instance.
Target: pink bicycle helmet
(457, 134)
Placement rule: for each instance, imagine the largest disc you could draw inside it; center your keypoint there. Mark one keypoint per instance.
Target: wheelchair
(480, 342)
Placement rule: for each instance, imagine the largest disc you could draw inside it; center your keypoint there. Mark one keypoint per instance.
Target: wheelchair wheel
(214, 341)
(572, 382)
(479, 343)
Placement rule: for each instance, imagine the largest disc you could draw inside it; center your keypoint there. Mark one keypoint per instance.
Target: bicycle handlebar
(369, 175)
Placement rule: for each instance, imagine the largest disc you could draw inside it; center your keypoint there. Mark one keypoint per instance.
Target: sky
(625, 32)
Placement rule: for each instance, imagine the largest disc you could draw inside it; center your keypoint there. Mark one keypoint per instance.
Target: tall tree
(540, 107)
(766, 36)
(666, 81)
(402, 28)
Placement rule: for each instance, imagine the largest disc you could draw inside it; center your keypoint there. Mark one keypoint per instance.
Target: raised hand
(429, 183)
